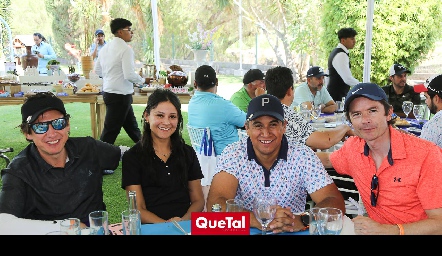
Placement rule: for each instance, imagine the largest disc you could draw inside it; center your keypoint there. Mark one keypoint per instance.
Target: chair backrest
(347, 187)
(196, 135)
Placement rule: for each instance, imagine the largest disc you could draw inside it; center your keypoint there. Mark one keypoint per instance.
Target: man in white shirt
(340, 77)
(116, 65)
(313, 91)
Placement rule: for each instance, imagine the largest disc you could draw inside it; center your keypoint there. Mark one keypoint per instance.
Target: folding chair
(196, 135)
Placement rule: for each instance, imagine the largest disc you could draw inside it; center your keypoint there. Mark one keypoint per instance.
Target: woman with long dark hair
(161, 167)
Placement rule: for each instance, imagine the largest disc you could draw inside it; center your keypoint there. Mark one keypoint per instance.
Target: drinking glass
(418, 112)
(131, 220)
(234, 205)
(264, 209)
(305, 112)
(71, 226)
(407, 106)
(99, 223)
(331, 221)
(313, 214)
(316, 111)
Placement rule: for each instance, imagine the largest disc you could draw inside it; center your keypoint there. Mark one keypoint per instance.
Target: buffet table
(91, 99)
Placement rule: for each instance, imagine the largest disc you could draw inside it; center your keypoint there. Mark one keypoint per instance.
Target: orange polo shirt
(407, 188)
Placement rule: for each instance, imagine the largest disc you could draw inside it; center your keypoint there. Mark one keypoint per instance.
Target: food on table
(401, 122)
(90, 88)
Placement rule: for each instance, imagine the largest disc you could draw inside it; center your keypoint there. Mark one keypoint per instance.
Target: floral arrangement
(201, 39)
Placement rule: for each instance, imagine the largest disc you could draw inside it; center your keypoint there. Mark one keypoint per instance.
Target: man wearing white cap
(432, 89)
(399, 91)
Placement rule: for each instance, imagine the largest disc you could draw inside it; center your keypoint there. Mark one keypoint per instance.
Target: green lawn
(114, 195)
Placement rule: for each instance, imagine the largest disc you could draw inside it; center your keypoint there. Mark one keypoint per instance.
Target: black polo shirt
(33, 189)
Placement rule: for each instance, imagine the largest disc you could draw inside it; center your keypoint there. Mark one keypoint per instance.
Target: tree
(402, 33)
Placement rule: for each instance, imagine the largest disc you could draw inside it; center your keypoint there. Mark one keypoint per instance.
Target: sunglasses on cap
(43, 127)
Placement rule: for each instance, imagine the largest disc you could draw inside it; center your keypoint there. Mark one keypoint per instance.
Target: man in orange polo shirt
(398, 175)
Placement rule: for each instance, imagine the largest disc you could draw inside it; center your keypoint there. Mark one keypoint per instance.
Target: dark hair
(40, 36)
(119, 23)
(25, 128)
(278, 80)
(346, 33)
(177, 141)
(384, 103)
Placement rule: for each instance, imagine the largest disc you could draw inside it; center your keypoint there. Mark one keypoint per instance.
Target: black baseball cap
(36, 105)
(398, 69)
(205, 75)
(316, 72)
(265, 105)
(433, 84)
(252, 75)
(368, 90)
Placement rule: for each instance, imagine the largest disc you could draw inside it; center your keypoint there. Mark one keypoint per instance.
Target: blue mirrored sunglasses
(43, 127)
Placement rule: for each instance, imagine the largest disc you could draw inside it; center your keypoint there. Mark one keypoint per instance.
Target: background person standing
(44, 52)
(340, 77)
(98, 44)
(116, 66)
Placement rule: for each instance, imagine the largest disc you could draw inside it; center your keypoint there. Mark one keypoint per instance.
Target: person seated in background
(279, 82)
(399, 91)
(313, 91)
(270, 162)
(207, 109)
(254, 85)
(398, 176)
(432, 89)
(162, 169)
(55, 176)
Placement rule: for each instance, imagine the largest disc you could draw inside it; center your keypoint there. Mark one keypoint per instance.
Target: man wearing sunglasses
(398, 175)
(55, 176)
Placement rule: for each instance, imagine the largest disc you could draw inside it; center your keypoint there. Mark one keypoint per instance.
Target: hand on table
(285, 221)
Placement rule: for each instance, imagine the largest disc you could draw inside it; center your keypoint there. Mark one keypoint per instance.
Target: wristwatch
(305, 219)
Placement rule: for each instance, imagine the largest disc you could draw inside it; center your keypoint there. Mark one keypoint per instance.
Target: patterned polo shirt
(432, 130)
(297, 127)
(296, 172)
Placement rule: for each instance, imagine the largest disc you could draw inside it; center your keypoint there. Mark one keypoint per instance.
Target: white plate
(319, 120)
(87, 93)
(148, 89)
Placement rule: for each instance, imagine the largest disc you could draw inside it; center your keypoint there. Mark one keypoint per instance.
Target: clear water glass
(331, 221)
(418, 112)
(407, 107)
(264, 209)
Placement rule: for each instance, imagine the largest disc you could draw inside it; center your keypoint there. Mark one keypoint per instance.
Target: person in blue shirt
(44, 52)
(207, 109)
(98, 44)
(313, 90)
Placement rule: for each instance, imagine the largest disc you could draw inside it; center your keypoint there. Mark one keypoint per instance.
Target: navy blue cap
(316, 72)
(99, 31)
(368, 90)
(265, 105)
